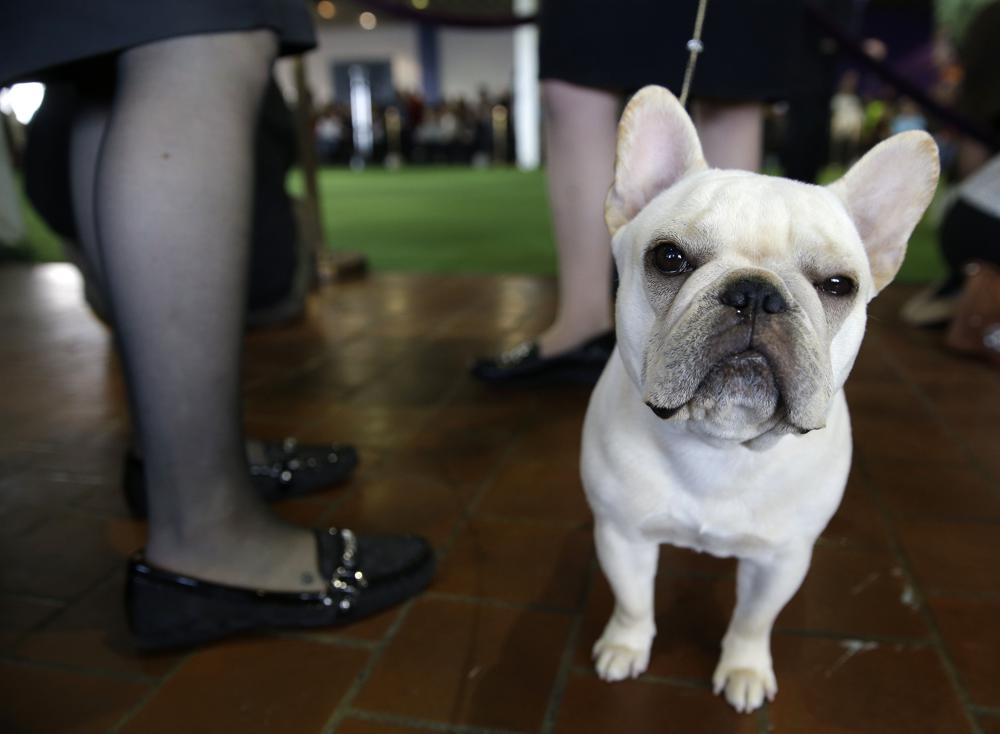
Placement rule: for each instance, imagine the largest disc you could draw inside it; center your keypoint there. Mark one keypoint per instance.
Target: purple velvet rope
(452, 19)
(843, 38)
(901, 84)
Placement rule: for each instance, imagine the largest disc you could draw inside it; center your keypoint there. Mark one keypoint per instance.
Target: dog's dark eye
(669, 259)
(838, 285)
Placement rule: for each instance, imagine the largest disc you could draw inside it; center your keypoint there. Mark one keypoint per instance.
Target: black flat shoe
(278, 470)
(366, 574)
(523, 365)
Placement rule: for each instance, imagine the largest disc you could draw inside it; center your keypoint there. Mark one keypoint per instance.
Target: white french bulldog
(720, 423)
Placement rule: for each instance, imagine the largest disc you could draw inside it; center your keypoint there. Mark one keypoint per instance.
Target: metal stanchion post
(498, 119)
(328, 264)
(394, 138)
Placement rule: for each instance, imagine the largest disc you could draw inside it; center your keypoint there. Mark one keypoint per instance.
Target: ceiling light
(326, 9)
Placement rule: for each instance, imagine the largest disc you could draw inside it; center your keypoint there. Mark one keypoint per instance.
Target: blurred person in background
(969, 232)
(847, 120)
(329, 135)
(907, 117)
(161, 165)
(11, 218)
(592, 54)
(970, 225)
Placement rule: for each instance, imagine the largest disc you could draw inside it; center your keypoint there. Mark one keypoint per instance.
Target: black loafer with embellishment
(365, 575)
(523, 365)
(278, 470)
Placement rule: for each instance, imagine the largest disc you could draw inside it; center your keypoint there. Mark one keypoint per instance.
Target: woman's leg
(172, 200)
(732, 134)
(86, 138)
(580, 130)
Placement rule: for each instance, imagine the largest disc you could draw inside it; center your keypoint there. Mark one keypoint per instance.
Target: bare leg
(972, 155)
(581, 125)
(11, 218)
(762, 590)
(86, 139)
(630, 567)
(732, 135)
(172, 201)
(580, 129)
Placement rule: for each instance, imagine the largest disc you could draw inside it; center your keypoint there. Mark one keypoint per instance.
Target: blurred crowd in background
(479, 132)
(860, 108)
(861, 111)
(474, 132)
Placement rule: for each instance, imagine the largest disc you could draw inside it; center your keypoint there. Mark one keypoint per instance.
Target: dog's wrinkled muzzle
(692, 364)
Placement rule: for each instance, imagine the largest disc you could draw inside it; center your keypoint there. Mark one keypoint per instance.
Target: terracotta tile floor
(897, 628)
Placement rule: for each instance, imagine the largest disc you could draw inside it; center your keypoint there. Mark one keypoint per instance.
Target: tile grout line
(912, 643)
(764, 723)
(931, 409)
(105, 673)
(469, 511)
(936, 639)
(489, 601)
(149, 696)
(425, 724)
(67, 604)
(249, 388)
(437, 332)
(561, 681)
(16, 596)
(329, 640)
(345, 708)
(992, 597)
(675, 681)
(534, 521)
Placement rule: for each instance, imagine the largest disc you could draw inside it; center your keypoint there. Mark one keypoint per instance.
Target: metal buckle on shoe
(279, 472)
(515, 354)
(346, 578)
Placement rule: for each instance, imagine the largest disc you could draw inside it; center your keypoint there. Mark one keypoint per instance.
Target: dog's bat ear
(657, 146)
(885, 194)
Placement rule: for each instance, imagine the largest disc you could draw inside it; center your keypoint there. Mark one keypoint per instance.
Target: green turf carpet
(455, 220)
(441, 220)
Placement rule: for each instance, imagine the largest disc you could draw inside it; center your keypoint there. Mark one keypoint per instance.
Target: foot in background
(526, 364)
(278, 470)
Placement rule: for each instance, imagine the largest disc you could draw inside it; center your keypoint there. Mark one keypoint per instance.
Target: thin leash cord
(695, 47)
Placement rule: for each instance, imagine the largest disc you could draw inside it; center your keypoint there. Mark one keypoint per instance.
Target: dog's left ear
(657, 146)
(886, 193)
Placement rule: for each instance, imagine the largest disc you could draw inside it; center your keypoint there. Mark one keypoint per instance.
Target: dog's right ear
(657, 146)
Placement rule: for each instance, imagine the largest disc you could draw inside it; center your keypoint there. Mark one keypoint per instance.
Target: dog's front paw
(745, 688)
(615, 662)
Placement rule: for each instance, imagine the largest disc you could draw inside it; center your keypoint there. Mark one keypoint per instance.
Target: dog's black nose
(753, 294)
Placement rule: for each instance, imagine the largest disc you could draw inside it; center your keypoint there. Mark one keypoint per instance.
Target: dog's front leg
(630, 567)
(762, 590)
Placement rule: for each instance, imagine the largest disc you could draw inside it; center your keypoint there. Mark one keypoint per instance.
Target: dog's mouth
(745, 379)
(747, 366)
(664, 413)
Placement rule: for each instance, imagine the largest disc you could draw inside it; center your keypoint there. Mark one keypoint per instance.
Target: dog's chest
(674, 488)
(713, 505)
(711, 528)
